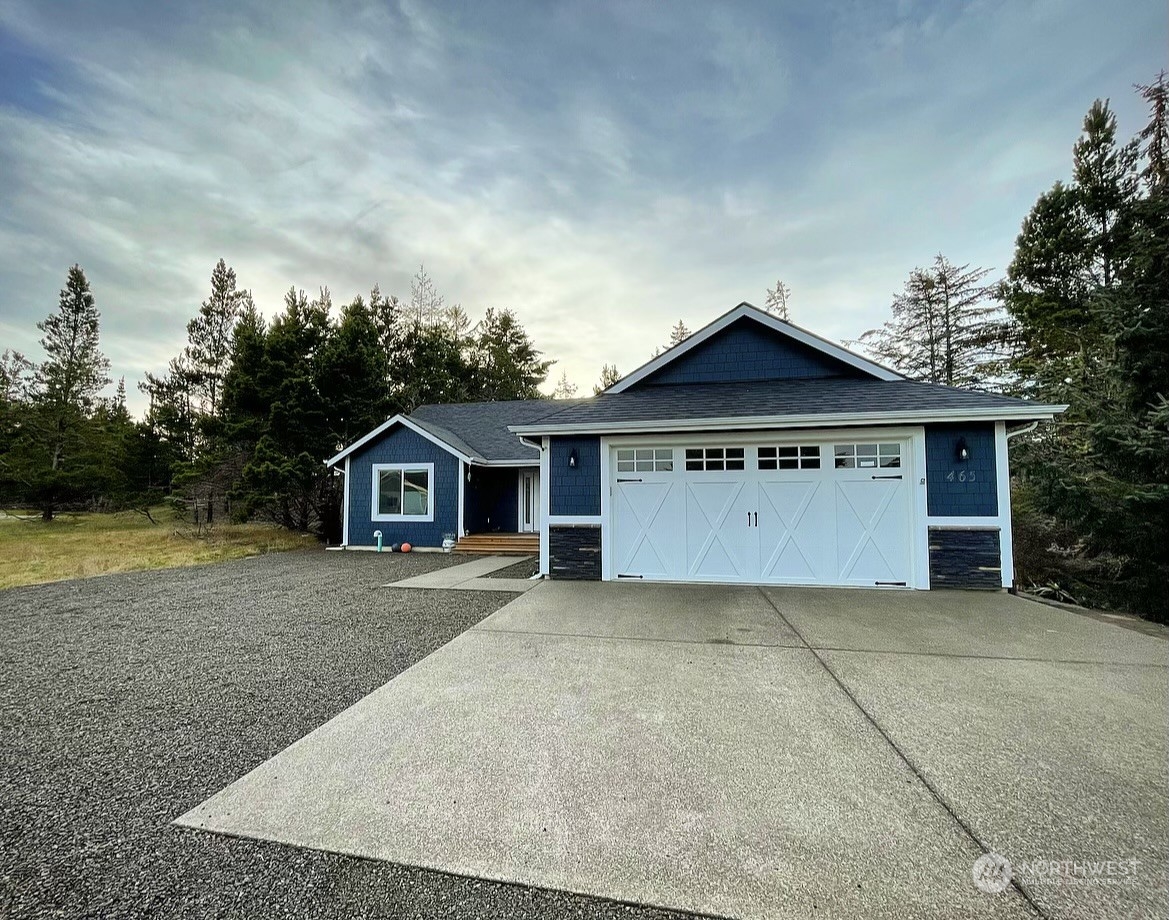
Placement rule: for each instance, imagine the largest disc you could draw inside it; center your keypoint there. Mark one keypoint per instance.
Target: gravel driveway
(131, 698)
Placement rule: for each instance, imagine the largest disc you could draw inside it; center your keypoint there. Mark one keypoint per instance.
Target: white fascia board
(803, 336)
(816, 420)
(535, 461)
(413, 426)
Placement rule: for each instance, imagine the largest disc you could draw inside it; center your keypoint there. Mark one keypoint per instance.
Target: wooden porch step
(500, 544)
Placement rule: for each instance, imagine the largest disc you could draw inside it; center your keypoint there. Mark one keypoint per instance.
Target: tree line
(244, 416)
(1080, 318)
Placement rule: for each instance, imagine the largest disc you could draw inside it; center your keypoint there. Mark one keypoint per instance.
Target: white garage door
(810, 513)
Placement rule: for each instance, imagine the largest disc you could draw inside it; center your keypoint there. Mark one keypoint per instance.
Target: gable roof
(474, 432)
(746, 311)
(810, 402)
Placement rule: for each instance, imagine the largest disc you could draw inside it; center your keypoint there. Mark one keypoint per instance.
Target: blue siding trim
(575, 491)
(401, 445)
(977, 496)
(747, 351)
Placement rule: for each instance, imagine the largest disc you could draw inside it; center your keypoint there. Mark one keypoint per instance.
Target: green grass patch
(81, 545)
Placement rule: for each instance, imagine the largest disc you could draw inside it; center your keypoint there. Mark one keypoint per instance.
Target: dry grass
(80, 545)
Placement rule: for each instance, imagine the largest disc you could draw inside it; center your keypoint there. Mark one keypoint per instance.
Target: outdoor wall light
(961, 450)
(572, 458)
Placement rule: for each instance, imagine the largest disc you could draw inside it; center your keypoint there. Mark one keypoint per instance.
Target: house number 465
(961, 476)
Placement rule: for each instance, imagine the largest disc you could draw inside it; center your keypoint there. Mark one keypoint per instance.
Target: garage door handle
(633, 480)
(881, 477)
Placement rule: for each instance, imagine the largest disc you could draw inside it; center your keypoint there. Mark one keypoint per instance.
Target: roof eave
(817, 420)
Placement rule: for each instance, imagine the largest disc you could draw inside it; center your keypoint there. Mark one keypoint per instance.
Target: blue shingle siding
(972, 489)
(746, 351)
(575, 491)
(401, 445)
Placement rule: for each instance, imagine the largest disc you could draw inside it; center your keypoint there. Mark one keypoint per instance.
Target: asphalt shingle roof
(810, 396)
(479, 430)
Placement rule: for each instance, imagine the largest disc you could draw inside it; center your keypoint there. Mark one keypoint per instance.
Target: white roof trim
(413, 426)
(803, 336)
(817, 420)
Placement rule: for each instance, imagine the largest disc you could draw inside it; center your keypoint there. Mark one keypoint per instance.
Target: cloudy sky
(602, 168)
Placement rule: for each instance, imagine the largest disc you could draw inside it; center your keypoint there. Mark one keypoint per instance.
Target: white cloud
(601, 201)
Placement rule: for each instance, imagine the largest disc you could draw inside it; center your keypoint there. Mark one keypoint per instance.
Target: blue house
(753, 452)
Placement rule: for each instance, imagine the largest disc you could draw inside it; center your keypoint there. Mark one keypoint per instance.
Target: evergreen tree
(58, 457)
(609, 376)
(209, 339)
(426, 304)
(504, 362)
(1089, 287)
(565, 389)
(431, 366)
(353, 375)
(75, 369)
(945, 328)
(776, 301)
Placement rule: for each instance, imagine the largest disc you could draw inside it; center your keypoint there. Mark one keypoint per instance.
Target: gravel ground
(525, 569)
(131, 698)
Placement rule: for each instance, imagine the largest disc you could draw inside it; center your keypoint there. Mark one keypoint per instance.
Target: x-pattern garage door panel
(648, 538)
(791, 547)
(844, 519)
(720, 544)
(872, 532)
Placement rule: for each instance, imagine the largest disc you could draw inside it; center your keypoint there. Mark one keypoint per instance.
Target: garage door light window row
(714, 458)
(645, 460)
(790, 457)
(867, 456)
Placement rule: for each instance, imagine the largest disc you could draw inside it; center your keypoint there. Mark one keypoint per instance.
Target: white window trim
(378, 468)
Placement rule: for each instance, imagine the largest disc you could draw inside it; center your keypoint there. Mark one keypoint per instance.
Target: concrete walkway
(752, 753)
(470, 576)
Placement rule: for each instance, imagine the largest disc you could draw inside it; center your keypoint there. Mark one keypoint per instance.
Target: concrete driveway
(753, 752)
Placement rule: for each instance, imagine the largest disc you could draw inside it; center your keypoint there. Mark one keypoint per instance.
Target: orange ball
(405, 547)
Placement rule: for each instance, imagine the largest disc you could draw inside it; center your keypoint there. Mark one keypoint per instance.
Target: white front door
(798, 509)
(529, 511)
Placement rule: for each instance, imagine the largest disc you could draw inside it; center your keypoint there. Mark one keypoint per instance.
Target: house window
(790, 457)
(645, 460)
(867, 456)
(401, 492)
(714, 458)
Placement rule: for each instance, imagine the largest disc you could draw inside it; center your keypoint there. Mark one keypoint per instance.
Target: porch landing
(500, 544)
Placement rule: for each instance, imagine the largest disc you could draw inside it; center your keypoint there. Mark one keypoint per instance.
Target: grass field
(80, 545)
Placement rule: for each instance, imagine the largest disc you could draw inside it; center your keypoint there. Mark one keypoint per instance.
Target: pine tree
(75, 369)
(945, 328)
(504, 362)
(609, 376)
(58, 457)
(1088, 288)
(426, 304)
(353, 374)
(776, 301)
(208, 352)
(565, 389)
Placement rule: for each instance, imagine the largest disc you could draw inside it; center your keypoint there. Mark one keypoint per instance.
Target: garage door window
(714, 458)
(645, 460)
(790, 457)
(867, 456)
